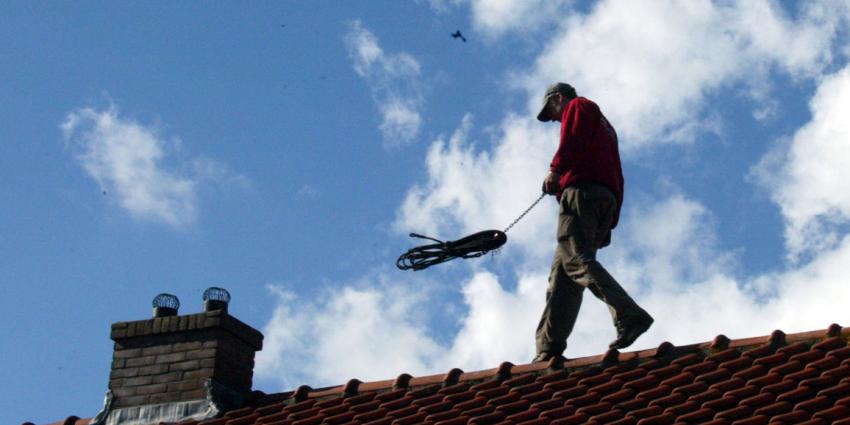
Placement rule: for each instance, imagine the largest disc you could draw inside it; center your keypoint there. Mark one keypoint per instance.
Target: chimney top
(165, 305)
(216, 298)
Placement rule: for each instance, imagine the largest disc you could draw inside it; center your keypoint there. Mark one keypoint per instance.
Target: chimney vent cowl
(165, 305)
(216, 298)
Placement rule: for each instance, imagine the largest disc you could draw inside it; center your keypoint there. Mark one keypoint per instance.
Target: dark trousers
(584, 225)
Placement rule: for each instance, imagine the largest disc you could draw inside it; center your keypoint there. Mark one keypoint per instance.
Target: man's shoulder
(584, 101)
(584, 105)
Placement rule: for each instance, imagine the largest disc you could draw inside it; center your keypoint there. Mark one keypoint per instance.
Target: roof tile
(538, 421)
(391, 395)
(830, 344)
(799, 394)
(528, 388)
(677, 380)
(341, 418)
(560, 384)
(759, 400)
(313, 420)
(559, 412)
(415, 418)
(607, 417)
(710, 394)
(372, 415)
(833, 413)
(721, 404)
(444, 415)
(753, 420)
(691, 389)
(841, 353)
(750, 372)
(666, 371)
(793, 417)
(574, 419)
(779, 387)
(838, 390)
(495, 392)
(550, 404)
(543, 394)
(627, 420)
(825, 363)
(808, 356)
(728, 384)
(664, 418)
(572, 392)
(806, 373)
(460, 420)
(736, 364)
(842, 371)
(734, 413)
(525, 415)
(488, 418)
(628, 406)
(669, 400)
(630, 375)
(584, 400)
(687, 360)
(595, 409)
(686, 407)
(382, 421)
(646, 412)
(814, 405)
(775, 408)
(403, 412)
(621, 395)
(438, 407)
(397, 403)
(765, 380)
(697, 415)
(656, 392)
(647, 381)
(514, 407)
(724, 355)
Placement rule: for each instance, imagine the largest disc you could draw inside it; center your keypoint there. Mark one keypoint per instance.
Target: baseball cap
(562, 88)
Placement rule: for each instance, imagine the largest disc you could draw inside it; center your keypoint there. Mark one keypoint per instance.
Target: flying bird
(457, 34)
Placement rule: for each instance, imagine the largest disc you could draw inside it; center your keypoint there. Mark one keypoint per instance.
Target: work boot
(630, 328)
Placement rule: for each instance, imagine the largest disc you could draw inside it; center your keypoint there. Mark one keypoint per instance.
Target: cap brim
(541, 116)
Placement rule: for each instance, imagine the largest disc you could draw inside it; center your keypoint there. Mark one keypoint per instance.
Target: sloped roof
(801, 378)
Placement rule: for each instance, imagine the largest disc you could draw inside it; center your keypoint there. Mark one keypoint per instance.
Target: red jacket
(588, 150)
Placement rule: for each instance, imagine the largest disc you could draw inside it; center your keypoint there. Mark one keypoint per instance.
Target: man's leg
(590, 211)
(563, 300)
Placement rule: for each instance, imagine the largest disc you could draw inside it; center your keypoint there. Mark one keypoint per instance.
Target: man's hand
(551, 184)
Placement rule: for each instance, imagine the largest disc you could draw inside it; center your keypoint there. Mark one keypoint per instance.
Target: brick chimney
(170, 367)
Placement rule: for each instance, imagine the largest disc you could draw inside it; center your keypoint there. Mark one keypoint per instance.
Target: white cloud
(469, 190)
(497, 17)
(395, 83)
(363, 330)
(127, 159)
(652, 64)
(806, 176)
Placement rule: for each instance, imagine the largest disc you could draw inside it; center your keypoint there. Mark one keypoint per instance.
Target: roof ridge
(507, 370)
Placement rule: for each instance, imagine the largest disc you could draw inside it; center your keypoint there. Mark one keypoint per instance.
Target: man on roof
(586, 177)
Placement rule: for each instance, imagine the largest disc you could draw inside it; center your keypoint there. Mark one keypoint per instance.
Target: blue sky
(284, 151)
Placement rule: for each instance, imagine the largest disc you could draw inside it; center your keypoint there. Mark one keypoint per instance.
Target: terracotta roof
(801, 378)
